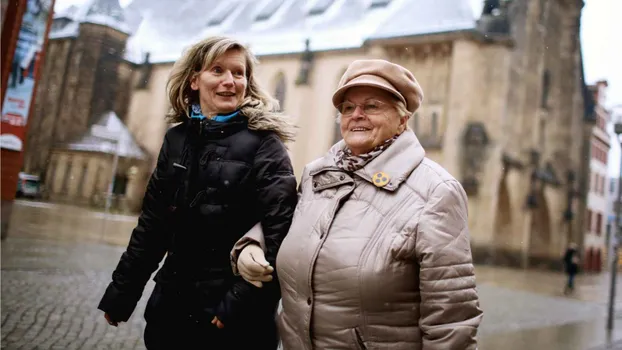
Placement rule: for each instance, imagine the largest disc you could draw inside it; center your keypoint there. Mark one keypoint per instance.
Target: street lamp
(114, 140)
(617, 128)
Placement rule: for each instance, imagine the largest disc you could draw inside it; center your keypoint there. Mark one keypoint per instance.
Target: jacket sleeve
(450, 312)
(146, 248)
(276, 201)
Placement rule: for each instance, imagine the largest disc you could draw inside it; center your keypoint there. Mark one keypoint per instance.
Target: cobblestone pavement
(55, 269)
(50, 291)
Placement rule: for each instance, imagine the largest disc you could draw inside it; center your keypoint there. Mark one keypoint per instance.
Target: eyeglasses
(370, 108)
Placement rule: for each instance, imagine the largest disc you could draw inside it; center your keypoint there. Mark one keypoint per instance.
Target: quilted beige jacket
(379, 266)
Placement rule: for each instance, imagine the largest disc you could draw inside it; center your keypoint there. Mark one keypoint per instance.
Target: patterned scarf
(347, 161)
(195, 112)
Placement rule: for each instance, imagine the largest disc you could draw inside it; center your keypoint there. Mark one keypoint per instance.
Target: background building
(506, 110)
(596, 214)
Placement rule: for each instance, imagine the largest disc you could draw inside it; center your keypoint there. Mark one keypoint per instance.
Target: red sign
(23, 74)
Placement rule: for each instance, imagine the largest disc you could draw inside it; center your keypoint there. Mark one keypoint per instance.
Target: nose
(228, 79)
(358, 112)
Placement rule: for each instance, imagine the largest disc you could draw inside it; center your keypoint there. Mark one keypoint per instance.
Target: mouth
(225, 94)
(359, 129)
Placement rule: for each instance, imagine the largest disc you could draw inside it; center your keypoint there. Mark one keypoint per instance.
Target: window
(279, 91)
(612, 185)
(67, 177)
(268, 10)
(120, 185)
(546, 82)
(379, 3)
(221, 13)
(337, 132)
(599, 223)
(51, 177)
(415, 122)
(319, 7)
(83, 178)
(542, 10)
(588, 221)
(434, 126)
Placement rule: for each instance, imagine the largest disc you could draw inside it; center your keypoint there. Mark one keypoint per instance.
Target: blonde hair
(258, 106)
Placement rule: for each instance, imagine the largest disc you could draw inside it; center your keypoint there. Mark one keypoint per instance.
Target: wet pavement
(55, 267)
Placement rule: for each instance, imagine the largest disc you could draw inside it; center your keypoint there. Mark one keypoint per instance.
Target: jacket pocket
(358, 339)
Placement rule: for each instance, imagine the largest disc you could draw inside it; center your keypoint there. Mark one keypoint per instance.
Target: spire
(108, 13)
(108, 8)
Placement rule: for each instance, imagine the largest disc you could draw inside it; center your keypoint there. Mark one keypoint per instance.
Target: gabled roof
(108, 135)
(272, 27)
(164, 28)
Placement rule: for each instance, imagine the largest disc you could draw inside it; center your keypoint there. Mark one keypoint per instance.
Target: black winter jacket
(213, 182)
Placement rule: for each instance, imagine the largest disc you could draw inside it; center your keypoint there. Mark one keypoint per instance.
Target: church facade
(506, 110)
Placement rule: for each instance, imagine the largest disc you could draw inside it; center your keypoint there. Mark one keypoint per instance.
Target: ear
(403, 124)
(194, 82)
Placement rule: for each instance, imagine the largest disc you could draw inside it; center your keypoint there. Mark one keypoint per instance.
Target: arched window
(434, 125)
(337, 126)
(51, 176)
(415, 123)
(67, 177)
(83, 179)
(280, 89)
(546, 83)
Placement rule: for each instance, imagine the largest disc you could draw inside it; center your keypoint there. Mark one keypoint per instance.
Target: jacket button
(314, 184)
(309, 301)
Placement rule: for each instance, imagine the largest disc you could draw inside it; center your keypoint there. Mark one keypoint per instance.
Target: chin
(226, 109)
(354, 145)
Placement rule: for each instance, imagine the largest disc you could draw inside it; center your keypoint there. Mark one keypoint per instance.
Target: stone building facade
(504, 110)
(595, 251)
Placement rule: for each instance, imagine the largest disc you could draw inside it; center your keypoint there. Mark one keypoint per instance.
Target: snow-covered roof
(272, 27)
(108, 135)
(164, 28)
(103, 12)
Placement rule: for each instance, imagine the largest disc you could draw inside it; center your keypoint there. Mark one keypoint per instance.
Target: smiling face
(368, 118)
(222, 85)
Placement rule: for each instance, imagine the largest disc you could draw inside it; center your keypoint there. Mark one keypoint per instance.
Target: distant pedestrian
(571, 263)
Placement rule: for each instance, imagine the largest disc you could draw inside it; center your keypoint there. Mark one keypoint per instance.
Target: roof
(164, 28)
(103, 12)
(272, 27)
(108, 135)
(427, 17)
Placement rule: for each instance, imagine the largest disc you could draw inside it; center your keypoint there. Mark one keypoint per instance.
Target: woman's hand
(217, 323)
(110, 321)
(253, 266)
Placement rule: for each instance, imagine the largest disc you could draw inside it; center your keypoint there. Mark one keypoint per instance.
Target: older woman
(378, 254)
(223, 169)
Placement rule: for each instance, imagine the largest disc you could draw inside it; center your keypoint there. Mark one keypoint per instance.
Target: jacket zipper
(359, 339)
(323, 238)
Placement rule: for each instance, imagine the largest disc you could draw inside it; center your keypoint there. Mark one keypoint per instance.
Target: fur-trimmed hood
(281, 124)
(260, 119)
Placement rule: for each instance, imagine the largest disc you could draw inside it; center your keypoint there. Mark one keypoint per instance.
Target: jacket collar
(393, 165)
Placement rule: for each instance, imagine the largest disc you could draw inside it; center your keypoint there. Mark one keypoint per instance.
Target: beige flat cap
(383, 75)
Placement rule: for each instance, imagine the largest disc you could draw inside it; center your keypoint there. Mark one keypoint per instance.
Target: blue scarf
(195, 112)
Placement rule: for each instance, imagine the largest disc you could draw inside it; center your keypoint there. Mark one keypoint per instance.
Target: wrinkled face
(222, 85)
(368, 118)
